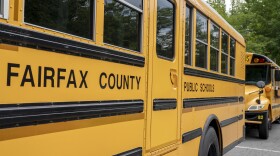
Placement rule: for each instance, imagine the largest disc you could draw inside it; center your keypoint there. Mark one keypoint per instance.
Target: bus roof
(206, 9)
(260, 56)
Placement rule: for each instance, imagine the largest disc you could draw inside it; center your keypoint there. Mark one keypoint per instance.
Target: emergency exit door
(164, 117)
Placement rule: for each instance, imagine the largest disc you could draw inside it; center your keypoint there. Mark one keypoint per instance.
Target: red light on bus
(261, 60)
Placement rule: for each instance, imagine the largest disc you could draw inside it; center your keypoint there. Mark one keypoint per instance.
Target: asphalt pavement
(253, 146)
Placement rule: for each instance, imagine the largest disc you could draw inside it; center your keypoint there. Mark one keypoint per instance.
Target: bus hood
(252, 95)
(251, 90)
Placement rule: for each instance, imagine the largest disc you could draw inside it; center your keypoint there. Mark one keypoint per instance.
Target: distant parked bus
(119, 77)
(262, 99)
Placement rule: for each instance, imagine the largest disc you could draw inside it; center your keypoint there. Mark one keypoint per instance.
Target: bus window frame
(222, 51)
(217, 49)
(232, 57)
(4, 10)
(174, 32)
(190, 35)
(93, 26)
(141, 27)
(200, 41)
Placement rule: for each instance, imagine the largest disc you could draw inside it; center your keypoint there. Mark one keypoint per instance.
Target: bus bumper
(255, 117)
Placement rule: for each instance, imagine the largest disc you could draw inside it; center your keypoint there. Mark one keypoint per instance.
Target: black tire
(263, 128)
(211, 144)
(269, 122)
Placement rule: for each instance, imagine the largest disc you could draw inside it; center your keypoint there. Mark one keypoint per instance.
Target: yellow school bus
(262, 99)
(119, 77)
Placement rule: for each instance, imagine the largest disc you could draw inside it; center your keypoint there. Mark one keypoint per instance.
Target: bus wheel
(263, 128)
(269, 122)
(211, 143)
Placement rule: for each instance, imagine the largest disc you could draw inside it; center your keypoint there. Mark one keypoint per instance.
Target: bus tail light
(259, 60)
(256, 60)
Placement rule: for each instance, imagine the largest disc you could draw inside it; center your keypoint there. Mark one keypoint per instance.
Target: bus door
(164, 116)
(276, 90)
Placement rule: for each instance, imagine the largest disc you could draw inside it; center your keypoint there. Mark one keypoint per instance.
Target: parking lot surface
(253, 146)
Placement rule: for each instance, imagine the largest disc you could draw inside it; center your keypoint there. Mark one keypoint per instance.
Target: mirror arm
(260, 92)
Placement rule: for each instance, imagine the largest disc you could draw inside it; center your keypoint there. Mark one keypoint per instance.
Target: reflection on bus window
(188, 53)
(165, 29)
(122, 25)
(73, 17)
(201, 41)
(232, 57)
(214, 49)
(224, 63)
(1, 8)
(257, 73)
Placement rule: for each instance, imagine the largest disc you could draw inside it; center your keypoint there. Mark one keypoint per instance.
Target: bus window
(201, 41)
(188, 54)
(1, 8)
(214, 49)
(258, 73)
(71, 17)
(165, 29)
(122, 24)
(224, 53)
(232, 57)
(136, 3)
(4, 5)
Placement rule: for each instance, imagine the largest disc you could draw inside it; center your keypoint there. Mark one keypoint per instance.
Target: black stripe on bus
(232, 145)
(38, 113)
(191, 135)
(231, 120)
(164, 104)
(205, 74)
(27, 38)
(275, 106)
(197, 102)
(133, 152)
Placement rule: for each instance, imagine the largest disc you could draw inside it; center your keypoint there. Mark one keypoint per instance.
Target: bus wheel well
(212, 121)
(215, 124)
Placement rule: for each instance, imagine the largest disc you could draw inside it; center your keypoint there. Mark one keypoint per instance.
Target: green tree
(219, 6)
(258, 21)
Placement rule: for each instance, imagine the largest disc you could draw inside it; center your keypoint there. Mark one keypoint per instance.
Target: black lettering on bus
(100, 80)
(10, 73)
(126, 82)
(48, 77)
(138, 82)
(119, 83)
(195, 87)
(83, 82)
(72, 79)
(132, 78)
(27, 76)
(110, 79)
(190, 87)
(39, 76)
(59, 76)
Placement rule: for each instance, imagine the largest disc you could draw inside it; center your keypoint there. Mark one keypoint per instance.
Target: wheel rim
(212, 150)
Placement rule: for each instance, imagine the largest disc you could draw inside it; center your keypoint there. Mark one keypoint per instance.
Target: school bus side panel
(35, 78)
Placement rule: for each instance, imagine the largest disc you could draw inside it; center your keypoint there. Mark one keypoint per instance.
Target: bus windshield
(257, 73)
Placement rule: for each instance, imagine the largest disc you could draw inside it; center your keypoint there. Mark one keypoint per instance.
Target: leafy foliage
(258, 21)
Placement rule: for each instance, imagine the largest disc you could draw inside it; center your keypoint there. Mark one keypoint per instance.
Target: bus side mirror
(277, 75)
(260, 84)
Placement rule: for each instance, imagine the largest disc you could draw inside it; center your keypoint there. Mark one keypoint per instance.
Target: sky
(228, 4)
